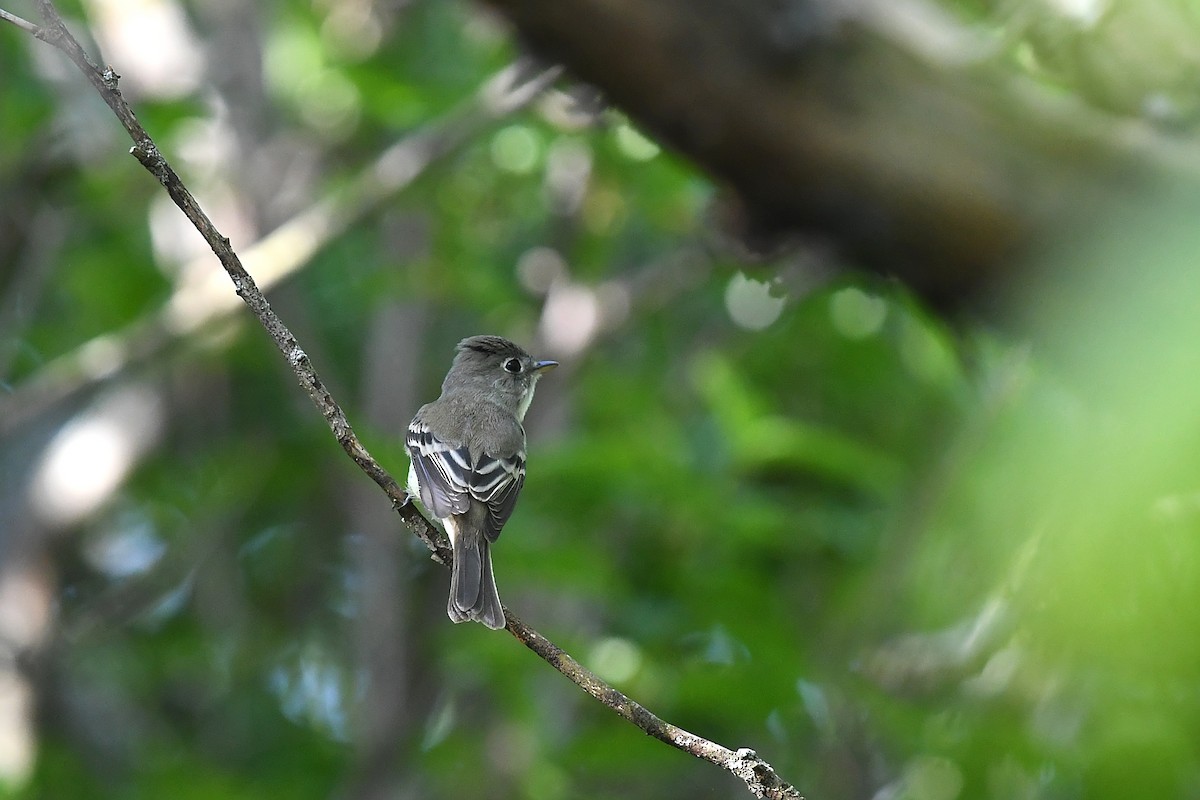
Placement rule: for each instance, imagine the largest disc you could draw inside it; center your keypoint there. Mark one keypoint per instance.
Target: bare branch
(760, 778)
(278, 255)
(146, 152)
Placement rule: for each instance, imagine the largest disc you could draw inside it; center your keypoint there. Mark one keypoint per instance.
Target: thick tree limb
(760, 778)
(879, 125)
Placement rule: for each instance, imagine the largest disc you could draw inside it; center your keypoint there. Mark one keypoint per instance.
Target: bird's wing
(443, 471)
(449, 478)
(496, 481)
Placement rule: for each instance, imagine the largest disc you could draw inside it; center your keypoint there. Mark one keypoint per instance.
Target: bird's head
(495, 362)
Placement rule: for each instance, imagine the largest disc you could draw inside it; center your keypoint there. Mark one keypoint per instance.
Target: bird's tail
(473, 594)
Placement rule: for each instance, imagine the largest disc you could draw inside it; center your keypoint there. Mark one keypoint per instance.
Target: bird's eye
(512, 365)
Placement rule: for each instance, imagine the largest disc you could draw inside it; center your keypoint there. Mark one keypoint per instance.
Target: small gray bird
(468, 462)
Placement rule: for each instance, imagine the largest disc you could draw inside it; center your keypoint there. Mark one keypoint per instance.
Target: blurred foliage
(898, 557)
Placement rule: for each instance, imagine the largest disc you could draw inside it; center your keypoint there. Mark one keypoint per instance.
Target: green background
(786, 506)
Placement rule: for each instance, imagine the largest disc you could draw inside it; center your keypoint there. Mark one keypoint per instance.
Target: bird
(468, 462)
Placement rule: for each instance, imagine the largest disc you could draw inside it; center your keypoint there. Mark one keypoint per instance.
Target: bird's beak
(544, 366)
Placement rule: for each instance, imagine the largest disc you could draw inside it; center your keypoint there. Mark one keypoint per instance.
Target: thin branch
(146, 152)
(24, 25)
(760, 778)
(276, 256)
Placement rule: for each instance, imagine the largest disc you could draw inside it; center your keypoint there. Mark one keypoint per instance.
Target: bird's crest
(490, 345)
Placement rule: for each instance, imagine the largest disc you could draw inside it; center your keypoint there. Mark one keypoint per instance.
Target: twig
(25, 25)
(760, 778)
